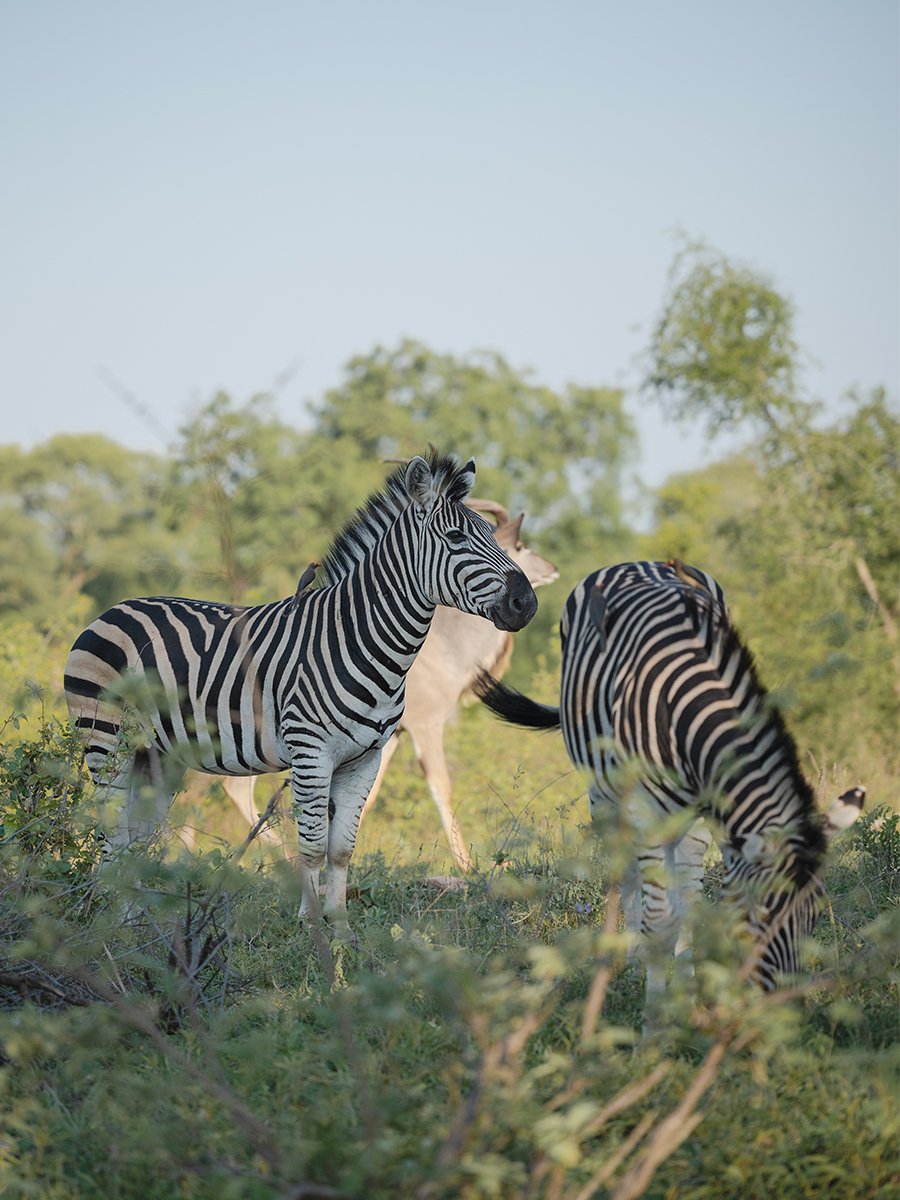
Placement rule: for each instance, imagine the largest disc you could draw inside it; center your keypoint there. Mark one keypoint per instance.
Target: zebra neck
(755, 772)
(383, 598)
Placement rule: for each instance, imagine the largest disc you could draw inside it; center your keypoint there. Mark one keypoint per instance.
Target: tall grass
(478, 1043)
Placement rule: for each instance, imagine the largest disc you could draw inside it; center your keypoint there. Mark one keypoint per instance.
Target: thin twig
(38, 983)
(677, 1126)
(261, 823)
(616, 1159)
(456, 1139)
(140, 1019)
(865, 578)
(316, 926)
(627, 1098)
(603, 975)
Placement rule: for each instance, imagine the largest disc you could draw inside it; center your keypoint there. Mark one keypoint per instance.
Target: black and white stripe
(653, 673)
(314, 683)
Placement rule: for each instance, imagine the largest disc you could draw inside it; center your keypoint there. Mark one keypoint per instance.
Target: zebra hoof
(341, 933)
(347, 940)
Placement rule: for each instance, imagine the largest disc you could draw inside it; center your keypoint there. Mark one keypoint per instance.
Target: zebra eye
(456, 537)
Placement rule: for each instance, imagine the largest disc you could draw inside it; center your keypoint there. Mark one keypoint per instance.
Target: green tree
(792, 552)
(801, 527)
(240, 491)
(559, 455)
(82, 517)
(850, 476)
(723, 348)
(697, 514)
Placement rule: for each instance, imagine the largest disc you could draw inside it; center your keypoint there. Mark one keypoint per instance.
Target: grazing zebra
(314, 683)
(653, 673)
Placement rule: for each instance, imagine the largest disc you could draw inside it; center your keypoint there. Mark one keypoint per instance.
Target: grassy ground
(206, 1047)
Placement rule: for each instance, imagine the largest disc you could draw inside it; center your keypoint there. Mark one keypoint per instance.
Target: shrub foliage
(167, 1029)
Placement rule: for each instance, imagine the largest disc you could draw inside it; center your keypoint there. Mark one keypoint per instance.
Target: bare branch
(616, 1159)
(597, 995)
(677, 1126)
(865, 578)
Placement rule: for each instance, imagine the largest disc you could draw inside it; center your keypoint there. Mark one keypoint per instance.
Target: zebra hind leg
(660, 922)
(672, 878)
(154, 782)
(143, 790)
(630, 893)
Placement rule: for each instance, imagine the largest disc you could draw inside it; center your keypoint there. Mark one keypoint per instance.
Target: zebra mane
(371, 521)
(758, 704)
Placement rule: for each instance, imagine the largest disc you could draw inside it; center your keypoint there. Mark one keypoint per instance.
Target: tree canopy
(800, 527)
(723, 350)
(558, 454)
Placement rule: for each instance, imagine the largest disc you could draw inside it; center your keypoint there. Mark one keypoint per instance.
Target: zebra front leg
(350, 786)
(688, 856)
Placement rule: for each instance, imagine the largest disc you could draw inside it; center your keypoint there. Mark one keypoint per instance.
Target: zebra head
(461, 565)
(788, 899)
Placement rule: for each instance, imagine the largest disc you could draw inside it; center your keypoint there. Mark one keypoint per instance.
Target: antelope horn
(489, 506)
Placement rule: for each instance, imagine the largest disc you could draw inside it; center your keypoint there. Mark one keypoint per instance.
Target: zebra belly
(217, 759)
(328, 748)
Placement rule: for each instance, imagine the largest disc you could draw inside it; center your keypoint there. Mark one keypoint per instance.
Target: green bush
(167, 1029)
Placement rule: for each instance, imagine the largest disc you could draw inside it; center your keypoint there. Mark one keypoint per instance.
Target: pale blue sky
(197, 195)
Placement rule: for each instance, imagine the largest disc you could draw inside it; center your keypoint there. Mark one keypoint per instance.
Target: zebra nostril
(519, 604)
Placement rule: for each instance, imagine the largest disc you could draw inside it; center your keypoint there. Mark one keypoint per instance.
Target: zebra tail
(512, 706)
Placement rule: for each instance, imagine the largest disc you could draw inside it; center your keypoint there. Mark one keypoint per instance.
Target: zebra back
(652, 661)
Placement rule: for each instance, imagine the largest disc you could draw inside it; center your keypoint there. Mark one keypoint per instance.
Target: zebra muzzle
(517, 605)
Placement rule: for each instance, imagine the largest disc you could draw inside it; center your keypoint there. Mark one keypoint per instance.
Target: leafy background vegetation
(482, 1040)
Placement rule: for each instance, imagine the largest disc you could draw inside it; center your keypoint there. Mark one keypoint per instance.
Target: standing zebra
(458, 647)
(314, 683)
(654, 673)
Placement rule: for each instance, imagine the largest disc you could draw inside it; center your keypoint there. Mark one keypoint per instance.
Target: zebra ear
(420, 484)
(465, 481)
(844, 811)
